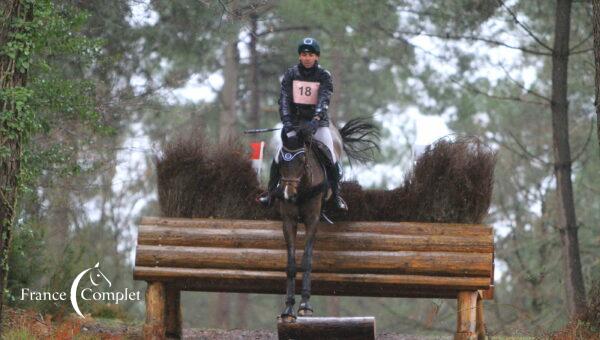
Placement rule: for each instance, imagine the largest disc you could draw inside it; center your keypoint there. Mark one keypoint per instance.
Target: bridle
(287, 156)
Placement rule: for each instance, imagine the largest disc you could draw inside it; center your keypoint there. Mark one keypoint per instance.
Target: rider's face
(308, 59)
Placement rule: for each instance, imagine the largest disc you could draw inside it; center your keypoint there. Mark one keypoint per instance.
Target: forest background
(109, 83)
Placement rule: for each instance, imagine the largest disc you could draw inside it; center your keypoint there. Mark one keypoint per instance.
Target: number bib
(305, 92)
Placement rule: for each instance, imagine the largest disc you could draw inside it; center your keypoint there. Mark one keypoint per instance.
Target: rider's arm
(284, 99)
(325, 91)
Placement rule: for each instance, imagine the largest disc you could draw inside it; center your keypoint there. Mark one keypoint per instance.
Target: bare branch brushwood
(451, 182)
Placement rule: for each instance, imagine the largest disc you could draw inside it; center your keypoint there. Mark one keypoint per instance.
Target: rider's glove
(288, 128)
(321, 112)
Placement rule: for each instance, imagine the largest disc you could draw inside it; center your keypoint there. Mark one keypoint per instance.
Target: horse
(305, 188)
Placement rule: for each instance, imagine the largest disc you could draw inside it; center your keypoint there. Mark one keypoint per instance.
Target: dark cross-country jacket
(305, 93)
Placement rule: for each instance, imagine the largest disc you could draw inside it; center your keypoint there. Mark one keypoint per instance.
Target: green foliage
(18, 334)
(26, 259)
(20, 121)
(458, 16)
(109, 311)
(51, 97)
(57, 104)
(514, 117)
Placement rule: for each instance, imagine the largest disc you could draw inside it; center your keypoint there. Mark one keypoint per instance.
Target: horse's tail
(360, 139)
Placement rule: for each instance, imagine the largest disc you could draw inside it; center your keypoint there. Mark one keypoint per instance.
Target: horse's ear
(97, 265)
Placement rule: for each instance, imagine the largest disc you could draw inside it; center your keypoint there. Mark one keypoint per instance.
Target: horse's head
(96, 276)
(292, 164)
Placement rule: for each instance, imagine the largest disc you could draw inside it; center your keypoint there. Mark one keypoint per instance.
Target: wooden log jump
(386, 259)
(353, 328)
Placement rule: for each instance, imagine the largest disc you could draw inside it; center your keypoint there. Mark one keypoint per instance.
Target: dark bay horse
(305, 188)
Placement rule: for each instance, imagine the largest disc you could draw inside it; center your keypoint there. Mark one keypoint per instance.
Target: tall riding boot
(266, 198)
(335, 174)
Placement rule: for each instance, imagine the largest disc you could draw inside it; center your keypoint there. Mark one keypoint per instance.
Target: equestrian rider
(306, 89)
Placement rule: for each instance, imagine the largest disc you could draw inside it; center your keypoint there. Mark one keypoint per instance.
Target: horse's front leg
(290, 228)
(310, 222)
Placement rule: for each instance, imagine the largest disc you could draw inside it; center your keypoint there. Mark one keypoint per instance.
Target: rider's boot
(335, 173)
(266, 198)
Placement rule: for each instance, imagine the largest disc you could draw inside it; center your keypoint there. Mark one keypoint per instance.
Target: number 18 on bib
(305, 92)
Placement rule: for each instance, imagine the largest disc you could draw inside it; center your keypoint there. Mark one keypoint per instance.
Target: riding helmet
(309, 45)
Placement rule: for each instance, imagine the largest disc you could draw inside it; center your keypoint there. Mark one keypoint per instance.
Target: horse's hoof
(288, 314)
(287, 318)
(305, 309)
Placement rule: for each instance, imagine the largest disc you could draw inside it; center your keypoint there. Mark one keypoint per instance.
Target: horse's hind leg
(305, 308)
(289, 231)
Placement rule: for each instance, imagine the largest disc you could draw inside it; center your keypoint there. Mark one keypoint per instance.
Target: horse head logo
(96, 276)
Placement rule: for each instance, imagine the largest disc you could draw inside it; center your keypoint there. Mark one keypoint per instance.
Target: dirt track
(212, 334)
(29, 323)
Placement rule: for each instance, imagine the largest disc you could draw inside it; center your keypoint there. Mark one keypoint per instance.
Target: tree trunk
(228, 116)
(11, 139)
(567, 222)
(336, 98)
(596, 20)
(254, 91)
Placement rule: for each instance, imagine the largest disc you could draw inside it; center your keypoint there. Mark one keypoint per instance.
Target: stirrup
(326, 218)
(340, 204)
(265, 199)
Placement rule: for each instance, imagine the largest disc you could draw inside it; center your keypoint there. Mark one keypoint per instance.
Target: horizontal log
(401, 262)
(359, 328)
(326, 240)
(397, 228)
(271, 282)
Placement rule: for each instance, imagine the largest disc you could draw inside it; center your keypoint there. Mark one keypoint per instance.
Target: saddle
(323, 154)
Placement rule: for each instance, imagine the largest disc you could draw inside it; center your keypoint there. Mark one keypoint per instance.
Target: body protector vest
(305, 93)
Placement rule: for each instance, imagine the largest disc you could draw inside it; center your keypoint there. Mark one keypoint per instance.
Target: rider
(306, 89)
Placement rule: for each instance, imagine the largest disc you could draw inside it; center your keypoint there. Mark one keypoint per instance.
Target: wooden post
(466, 316)
(480, 323)
(155, 311)
(327, 328)
(173, 312)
